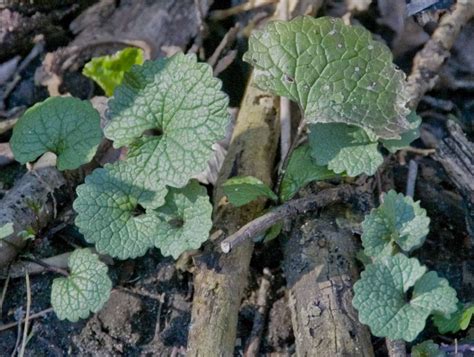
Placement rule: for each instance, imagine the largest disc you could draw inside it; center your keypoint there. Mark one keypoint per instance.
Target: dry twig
(429, 60)
(289, 209)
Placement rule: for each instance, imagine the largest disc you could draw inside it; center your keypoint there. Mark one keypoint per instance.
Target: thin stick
(27, 316)
(4, 291)
(32, 317)
(289, 209)
(260, 315)
(411, 180)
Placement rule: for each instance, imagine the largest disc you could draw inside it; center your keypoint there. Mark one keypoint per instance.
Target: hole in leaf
(409, 294)
(153, 132)
(176, 222)
(138, 211)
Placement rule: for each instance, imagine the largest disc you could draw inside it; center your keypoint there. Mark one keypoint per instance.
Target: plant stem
(290, 209)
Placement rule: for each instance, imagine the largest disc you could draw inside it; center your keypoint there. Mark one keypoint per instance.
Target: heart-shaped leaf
(66, 126)
(85, 290)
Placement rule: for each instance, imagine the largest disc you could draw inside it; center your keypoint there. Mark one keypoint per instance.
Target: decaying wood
(320, 269)
(456, 154)
(428, 61)
(29, 204)
(220, 278)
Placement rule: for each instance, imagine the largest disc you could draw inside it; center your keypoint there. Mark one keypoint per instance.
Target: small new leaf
(300, 171)
(66, 126)
(383, 303)
(108, 71)
(427, 349)
(244, 189)
(85, 290)
(460, 320)
(111, 212)
(185, 220)
(336, 73)
(179, 104)
(397, 224)
(344, 148)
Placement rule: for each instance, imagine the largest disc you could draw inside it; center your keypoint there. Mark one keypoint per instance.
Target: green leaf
(382, 299)
(6, 230)
(185, 220)
(460, 320)
(111, 211)
(108, 71)
(179, 103)
(427, 349)
(273, 232)
(85, 290)
(344, 148)
(300, 171)
(244, 189)
(407, 137)
(398, 223)
(66, 126)
(336, 73)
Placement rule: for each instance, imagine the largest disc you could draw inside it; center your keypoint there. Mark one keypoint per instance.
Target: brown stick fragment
(260, 315)
(396, 348)
(290, 209)
(429, 60)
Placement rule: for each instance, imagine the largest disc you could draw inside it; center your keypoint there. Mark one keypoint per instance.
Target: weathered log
(320, 270)
(456, 155)
(220, 278)
(29, 204)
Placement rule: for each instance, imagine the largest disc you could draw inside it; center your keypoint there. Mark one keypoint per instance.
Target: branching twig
(289, 209)
(429, 60)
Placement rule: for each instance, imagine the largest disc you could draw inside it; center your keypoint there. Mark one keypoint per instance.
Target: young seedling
(396, 294)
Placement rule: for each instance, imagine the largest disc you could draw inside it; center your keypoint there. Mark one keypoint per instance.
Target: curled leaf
(108, 71)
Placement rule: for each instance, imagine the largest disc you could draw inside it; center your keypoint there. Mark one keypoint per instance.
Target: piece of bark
(320, 269)
(110, 25)
(456, 154)
(29, 204)
(220, 279)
